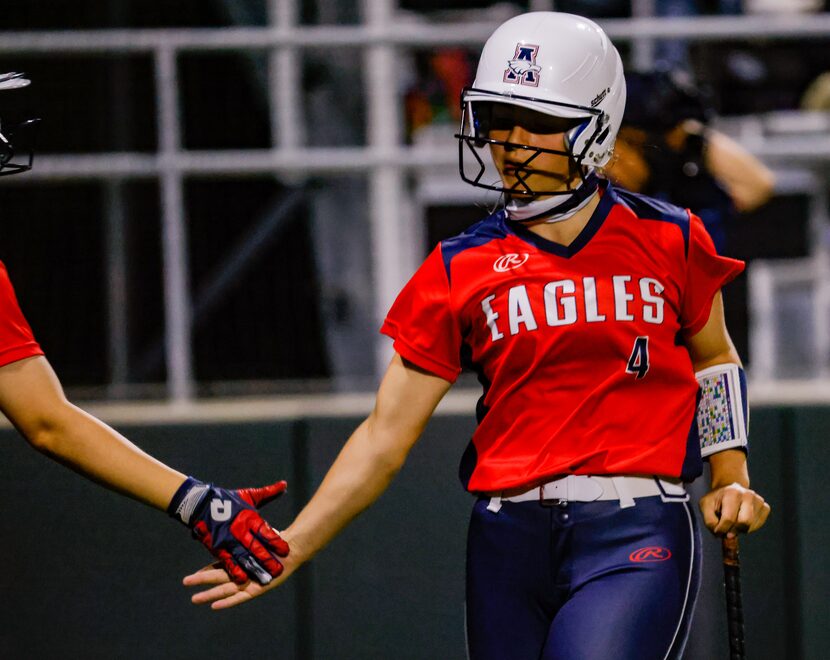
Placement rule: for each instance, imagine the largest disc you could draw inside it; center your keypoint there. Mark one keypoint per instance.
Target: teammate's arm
(730, 506)
(747, 180)
(33, 400)
(366, 465)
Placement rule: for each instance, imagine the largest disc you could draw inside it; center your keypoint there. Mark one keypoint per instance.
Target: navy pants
(583, 581)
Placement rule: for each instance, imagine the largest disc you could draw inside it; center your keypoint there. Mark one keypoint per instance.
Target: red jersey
(579, 348)
(16, 339)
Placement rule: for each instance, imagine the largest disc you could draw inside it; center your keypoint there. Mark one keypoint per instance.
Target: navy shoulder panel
(491, 228)
(650, 208)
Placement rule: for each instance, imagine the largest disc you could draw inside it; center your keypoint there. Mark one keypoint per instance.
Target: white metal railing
(390, 31)
(777, 329)
(384, 158)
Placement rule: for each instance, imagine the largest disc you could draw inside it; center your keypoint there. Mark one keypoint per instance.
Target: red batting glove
(228, 525)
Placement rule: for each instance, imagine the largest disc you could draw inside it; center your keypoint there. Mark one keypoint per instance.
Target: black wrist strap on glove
(188, 500)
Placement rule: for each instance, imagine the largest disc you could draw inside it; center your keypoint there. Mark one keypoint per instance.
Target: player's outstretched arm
(730, 506)
(32, 398)
(366, 465)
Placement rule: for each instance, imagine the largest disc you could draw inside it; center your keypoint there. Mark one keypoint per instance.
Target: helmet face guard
(17, 147)
(17, 141)
(474, 137)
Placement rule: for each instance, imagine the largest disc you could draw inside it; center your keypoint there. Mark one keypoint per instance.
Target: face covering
(555, 208)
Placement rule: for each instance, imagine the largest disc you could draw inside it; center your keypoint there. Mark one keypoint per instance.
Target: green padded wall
(392, 585)
(90, 574)
(809, 550)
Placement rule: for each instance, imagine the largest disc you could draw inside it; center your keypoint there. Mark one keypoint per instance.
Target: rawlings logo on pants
(652, 553)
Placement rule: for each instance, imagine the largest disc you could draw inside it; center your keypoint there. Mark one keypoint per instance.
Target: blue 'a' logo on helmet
(522, 69)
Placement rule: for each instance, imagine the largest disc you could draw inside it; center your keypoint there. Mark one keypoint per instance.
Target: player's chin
(521, 194)
(531, 189)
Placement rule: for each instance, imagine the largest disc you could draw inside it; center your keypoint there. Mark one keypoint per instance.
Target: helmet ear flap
(604, 122)
(572, 135)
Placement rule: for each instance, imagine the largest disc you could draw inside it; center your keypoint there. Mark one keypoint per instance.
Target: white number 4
(638, 362)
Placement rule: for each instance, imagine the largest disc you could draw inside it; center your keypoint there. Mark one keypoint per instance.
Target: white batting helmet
(557, 64)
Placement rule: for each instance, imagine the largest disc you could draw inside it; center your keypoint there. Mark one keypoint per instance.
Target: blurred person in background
(433, 95)
(31, 397)
(816, 97)
(665, 149)
(593, 318)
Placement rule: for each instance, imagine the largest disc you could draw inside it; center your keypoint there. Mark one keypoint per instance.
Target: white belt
(584, 488)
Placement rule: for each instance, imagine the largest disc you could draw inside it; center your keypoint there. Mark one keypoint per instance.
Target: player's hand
(733, 509)
(222, 593)
(227, 524)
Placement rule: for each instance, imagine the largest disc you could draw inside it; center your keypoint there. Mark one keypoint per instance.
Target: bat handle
(734, 606)
(729, 545)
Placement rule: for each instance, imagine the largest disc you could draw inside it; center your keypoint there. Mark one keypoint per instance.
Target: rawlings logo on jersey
(510, 261)
(522, 69)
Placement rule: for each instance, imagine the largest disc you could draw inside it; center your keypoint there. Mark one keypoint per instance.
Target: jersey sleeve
(422, 324)
(706, 273)
(16, 339)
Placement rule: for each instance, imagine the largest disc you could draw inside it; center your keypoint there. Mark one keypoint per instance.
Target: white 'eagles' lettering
(519, 310)
(491, 317)
(589, 287)
(652, 313)
(622, 298)
(553, 300)
(561, 299)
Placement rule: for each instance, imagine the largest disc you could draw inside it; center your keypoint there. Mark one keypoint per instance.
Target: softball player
(586, 312)
(31, 397)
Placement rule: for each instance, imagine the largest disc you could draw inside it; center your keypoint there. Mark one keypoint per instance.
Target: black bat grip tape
(734, 606)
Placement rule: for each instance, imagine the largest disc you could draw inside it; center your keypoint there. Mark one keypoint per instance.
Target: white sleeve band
(722, 413)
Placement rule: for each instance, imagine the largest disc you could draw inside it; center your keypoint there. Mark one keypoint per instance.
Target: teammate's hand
(228, 525)
(733, 509)
(221, 593)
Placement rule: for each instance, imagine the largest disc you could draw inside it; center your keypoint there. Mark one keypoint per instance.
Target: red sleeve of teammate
(422, 324)
(706, 273)
(16, 339)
